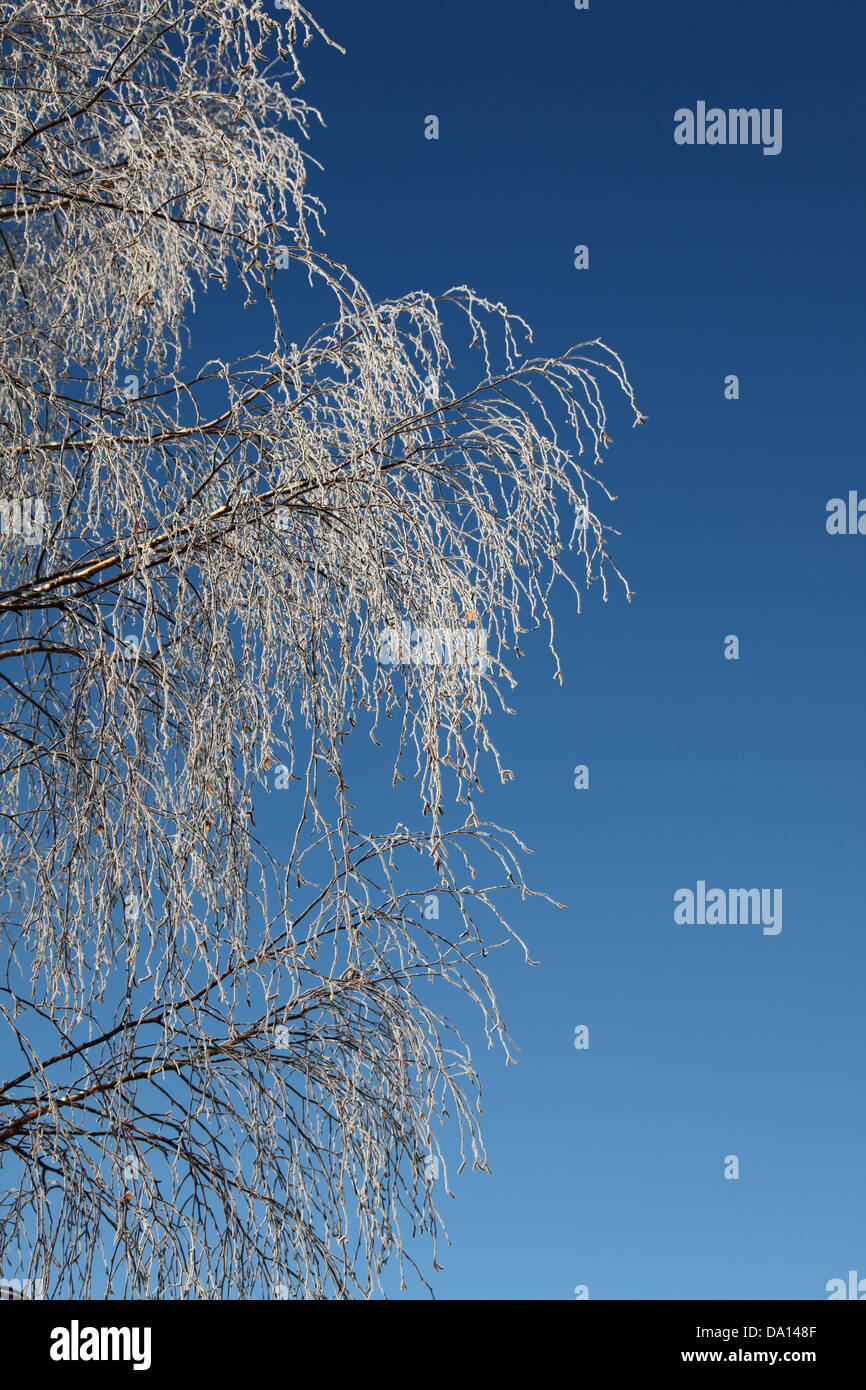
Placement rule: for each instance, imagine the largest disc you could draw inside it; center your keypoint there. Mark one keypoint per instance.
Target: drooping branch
(227, 1072)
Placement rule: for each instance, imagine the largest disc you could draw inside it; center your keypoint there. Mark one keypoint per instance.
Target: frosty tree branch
(221, 1072)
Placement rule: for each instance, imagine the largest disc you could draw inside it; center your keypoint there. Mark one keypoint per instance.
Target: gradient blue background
(556, 128)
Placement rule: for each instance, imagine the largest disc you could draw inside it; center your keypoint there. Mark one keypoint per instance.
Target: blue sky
(556, 129)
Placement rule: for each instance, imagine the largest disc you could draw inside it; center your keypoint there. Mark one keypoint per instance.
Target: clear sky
(557, 130)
